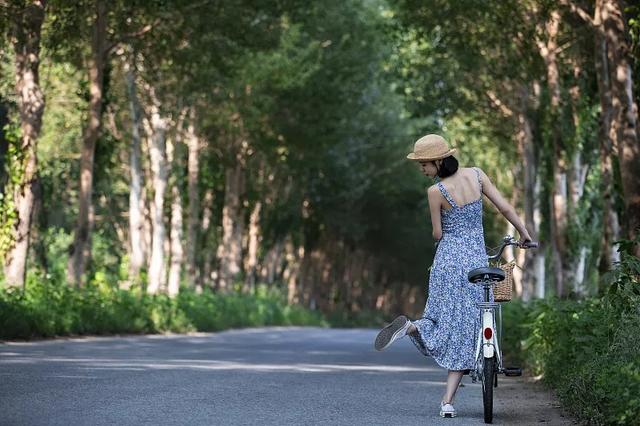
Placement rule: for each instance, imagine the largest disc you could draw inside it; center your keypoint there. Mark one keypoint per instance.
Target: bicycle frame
(488, 356)
(489, 336)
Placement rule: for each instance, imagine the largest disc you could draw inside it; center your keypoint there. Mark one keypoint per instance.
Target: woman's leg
(453, 381)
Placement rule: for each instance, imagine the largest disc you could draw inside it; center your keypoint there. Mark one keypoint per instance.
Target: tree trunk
(157, 266)
(291, 274)
(136, 200)
(205, 278)
(548, 52)
(4, 144)
(314, 268)
(576, 185)
(80, 251)
(624, 128)
(539, 262)
(193, 170)
(147, 190)
(271, 265)
(510, 254)
(578, 174)
(25, 37)
(230, 249)
(576, 181)
(176, 249)
(525, 140)
(253, 243)
(610, 221)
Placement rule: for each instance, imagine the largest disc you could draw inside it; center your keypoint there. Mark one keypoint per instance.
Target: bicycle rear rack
(487, 305)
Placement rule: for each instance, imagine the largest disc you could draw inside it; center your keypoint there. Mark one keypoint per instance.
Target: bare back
(462, 186)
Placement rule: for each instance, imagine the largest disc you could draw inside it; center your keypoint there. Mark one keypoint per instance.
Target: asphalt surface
(267, 376)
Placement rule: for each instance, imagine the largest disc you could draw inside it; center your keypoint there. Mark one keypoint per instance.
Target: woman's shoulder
(475, 171)
(433, 189)
(472, 169)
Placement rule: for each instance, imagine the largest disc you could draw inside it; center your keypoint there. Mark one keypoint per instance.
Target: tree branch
(129, 36)
(496, 102)
(579, 12)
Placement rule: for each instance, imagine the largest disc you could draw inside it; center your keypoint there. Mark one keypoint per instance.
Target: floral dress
(450, 324)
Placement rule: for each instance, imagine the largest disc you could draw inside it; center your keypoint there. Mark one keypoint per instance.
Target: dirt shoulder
(523, 400)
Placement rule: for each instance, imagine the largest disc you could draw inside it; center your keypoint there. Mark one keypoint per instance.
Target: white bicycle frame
(488, 360)
(488, 340)
(488, 347)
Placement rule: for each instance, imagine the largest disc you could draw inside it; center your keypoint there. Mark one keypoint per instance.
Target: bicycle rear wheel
(488, 375)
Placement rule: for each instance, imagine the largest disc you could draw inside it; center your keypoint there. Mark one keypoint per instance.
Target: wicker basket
(502, 290)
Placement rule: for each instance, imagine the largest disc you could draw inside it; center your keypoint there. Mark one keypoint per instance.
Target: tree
(624, 124)
(157, 148)
(619, 111)
(136, 200)
(26, 24)
(80, 251)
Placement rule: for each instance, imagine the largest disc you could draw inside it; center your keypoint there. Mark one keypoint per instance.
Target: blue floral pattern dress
(450, 324)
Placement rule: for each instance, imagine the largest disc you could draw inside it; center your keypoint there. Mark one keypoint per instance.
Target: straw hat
(430, 147)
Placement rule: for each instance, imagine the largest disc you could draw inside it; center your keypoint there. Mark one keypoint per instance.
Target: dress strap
(446, 195)
(479, 180)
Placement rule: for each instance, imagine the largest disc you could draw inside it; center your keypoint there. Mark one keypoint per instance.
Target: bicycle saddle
(480, 274)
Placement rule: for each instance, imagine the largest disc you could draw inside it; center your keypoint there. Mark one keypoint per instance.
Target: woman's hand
(524, 238)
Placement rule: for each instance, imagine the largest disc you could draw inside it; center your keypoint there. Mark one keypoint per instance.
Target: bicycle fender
(487, 344)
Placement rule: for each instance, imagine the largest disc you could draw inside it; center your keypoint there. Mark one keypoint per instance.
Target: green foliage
(211, 312)
(56, 243)
(51, 308)
(363, 318)
(588, 350)
(514, 332)
(15, 169)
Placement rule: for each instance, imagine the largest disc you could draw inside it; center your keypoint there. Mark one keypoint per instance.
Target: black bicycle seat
(481, 274)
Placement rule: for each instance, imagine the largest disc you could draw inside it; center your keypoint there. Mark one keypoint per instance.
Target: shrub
(362, 318)
(49, 307)
(587, 350)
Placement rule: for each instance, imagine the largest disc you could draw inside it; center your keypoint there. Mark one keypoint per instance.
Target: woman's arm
(503, 206)
(434, 207)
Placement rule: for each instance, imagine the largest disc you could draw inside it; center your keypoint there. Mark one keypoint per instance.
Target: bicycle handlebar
(510, 241)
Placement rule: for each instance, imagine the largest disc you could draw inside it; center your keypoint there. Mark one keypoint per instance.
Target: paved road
(269, 376)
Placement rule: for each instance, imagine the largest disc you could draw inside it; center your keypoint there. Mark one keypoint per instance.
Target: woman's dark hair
(448, 167)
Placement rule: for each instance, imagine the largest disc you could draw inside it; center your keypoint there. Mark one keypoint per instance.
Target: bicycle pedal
(513, 371)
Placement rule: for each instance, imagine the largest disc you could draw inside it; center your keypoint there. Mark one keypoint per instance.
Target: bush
(514, 332)
(362, 318)
(587, 350)
(49, 308)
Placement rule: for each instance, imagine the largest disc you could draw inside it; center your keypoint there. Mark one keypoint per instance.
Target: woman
(448, 327)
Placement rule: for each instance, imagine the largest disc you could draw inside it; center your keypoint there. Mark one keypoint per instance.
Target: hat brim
(413, 156)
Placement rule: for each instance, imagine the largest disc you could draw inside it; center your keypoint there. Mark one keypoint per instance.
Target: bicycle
(488, 353)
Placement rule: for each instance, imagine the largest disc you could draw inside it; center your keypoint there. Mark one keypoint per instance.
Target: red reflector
(488, 333)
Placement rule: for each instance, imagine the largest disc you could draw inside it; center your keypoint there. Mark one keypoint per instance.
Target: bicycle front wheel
(488, 375)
